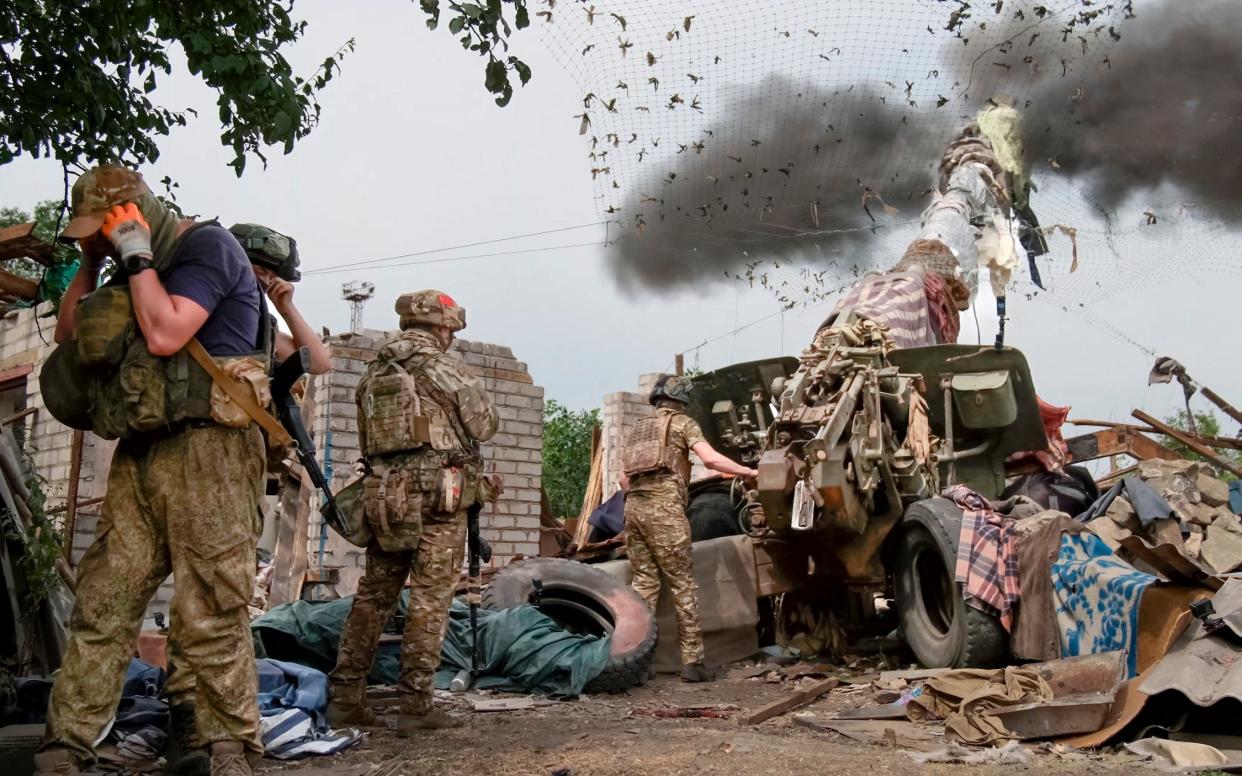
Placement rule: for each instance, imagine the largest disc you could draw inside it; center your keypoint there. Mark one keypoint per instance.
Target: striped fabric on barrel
(896, 300)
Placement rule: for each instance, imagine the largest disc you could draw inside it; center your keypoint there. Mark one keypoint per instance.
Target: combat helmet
(269, 249)
(672, 387)
(430, 307)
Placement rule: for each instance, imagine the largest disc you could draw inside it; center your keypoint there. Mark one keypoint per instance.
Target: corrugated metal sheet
(1206, 669)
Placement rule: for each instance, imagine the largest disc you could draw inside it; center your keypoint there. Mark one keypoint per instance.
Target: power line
(335, 267)
(593, 243)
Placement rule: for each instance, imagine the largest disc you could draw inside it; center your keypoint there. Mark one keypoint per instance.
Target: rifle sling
(237, 392)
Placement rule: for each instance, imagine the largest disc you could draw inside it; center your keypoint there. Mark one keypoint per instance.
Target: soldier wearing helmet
(656, 470)
(274, 258)
(421, 415)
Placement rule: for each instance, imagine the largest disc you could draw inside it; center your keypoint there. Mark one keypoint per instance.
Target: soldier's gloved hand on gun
(126, 229)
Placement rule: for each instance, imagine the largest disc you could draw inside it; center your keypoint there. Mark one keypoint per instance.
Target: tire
(933, 618)
(712, 516)
(584, 600)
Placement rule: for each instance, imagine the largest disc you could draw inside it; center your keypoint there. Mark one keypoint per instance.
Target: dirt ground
(612, 735)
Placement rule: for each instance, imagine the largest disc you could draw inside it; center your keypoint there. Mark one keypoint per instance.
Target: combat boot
(697, 672)
(183, 757)
(340, 714)
(55, 762)
(410, 724)
(228, 758)
(347, 705)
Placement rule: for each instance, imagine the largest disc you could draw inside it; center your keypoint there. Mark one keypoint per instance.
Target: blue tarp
(522, 649)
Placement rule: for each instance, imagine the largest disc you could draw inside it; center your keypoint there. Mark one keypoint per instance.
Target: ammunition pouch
(105, 327)
(352, 501)
(400, 498)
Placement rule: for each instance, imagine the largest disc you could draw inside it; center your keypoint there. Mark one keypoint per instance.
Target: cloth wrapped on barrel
(522, 649)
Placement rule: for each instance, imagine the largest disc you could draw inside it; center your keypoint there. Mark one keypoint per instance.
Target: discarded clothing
(141, 746)
(1057, 453)
(1098, 597)
(609, 517)
(284, 685)
(1071, 490)
(960, 698)
(1035, 635)
(292, 734)
(987, 563)
(1147, 503)
(1012, 753)
(522, 649)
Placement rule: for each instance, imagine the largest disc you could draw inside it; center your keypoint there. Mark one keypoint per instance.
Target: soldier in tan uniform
(186, 477)
(656, 461)
(421, 416)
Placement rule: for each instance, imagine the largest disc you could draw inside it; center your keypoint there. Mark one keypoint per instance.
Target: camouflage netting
(795, 143)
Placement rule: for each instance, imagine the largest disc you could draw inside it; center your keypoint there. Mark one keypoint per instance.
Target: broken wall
(516, 452)
(512, 525)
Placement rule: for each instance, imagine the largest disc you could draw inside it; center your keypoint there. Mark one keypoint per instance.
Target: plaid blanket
(987, 558)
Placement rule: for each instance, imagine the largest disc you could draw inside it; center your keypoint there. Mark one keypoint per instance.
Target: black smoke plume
(1162, 106)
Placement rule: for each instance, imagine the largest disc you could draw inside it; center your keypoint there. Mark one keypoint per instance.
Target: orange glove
(125, 227)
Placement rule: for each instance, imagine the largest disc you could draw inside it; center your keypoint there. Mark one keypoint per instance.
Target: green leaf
(456, 23)
(148, 85)
(471, 10)
(521, 19)
(523, 70)
(497, 76)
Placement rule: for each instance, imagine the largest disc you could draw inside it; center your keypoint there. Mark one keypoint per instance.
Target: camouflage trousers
(433, 568)
(658, 542)
(185, 504)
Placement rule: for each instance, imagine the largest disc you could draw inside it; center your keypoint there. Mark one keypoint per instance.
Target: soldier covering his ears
(186, 477)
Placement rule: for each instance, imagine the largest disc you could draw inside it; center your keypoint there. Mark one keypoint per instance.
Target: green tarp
(522, 650)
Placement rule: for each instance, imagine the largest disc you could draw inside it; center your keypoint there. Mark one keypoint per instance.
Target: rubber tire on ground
(712, 516)
(935, 621)
(574, 592)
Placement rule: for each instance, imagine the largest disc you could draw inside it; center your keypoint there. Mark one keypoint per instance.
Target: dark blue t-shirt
(213, 271)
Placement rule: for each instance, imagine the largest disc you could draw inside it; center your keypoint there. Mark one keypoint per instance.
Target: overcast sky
(412, 155)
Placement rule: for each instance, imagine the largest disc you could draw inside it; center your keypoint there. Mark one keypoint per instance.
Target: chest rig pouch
(105, 380)
(648, 450)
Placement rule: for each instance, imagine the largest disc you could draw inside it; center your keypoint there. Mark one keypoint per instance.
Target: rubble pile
(1197, 521)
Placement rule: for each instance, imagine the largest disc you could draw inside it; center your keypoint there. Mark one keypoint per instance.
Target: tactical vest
(403, 410)
(105, 380)
(648, 450)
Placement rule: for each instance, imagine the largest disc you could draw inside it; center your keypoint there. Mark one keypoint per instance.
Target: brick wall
(512, 525)
(516, 452)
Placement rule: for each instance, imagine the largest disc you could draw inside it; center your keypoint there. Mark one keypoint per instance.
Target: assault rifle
(480, 552)
(290, 416)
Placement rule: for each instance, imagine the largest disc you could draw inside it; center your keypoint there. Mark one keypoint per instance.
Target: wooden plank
(794, 701)
(18, 286)
(71, 500)
(289, 558)
(1189, 441)
(593, 496)
(1211, 441)
(1115, 441)
(19, 242)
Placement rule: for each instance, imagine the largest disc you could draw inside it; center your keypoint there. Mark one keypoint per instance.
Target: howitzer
(290, 416)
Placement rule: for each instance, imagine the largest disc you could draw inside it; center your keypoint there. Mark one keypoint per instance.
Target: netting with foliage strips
(794, 143)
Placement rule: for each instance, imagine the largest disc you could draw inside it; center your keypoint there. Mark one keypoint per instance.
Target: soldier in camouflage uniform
(656, 460)
(421, 416)
(183, 489)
